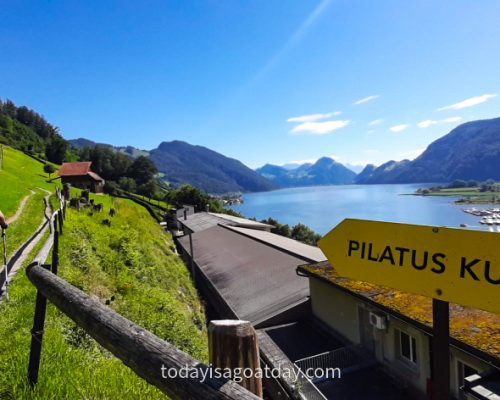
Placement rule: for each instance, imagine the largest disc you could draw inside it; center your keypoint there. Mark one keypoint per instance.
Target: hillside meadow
(19, 174)
(130, 266)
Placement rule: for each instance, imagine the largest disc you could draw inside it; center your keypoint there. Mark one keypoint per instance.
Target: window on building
(408, 347)
(463, 371)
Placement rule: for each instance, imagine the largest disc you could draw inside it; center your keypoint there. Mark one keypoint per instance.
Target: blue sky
(263, 81)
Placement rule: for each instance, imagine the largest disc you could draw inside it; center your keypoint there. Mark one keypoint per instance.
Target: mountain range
(325, 171)
(180, 162)
(471, 151)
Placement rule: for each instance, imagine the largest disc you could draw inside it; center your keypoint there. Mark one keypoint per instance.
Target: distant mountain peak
(325, 171)
(324, 161)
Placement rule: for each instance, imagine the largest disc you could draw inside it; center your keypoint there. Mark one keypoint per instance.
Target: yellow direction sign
(455, 265)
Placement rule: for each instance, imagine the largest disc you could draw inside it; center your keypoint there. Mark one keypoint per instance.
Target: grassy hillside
(20, 173)
(129, 266)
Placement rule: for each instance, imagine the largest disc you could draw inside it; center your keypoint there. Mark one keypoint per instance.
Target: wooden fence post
(54, 223)
(37, 336)
(61, 223)
(233, 344)
(5, 266)
(55, 253)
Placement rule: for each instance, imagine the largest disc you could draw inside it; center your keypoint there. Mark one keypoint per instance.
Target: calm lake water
(323, 207)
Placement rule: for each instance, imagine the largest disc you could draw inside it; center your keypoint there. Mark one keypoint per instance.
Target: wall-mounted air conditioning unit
(379, 321)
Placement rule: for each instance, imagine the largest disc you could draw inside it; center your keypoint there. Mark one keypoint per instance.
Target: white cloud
(362, 163)
(473, 101)
(411, 154)
(319, 128)
(376, 122)
(429, 122)
(366, 99)
(451, 119)
(313, 117)
(371, 151)
(399, 128)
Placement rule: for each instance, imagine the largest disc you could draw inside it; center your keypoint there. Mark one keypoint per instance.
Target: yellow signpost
(449, 265)
(455, 265)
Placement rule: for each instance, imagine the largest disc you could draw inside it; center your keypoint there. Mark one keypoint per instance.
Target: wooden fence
(8, 264)
(146, 354)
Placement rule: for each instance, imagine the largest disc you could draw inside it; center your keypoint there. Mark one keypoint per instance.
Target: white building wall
(336, 309)
(339, 310)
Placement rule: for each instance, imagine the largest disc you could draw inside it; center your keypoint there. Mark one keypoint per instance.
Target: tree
(55, 150)
(142, 170)
(457, 183)
(279, 229)
(127, 184)
(49, 169)
(304, 234)
(111, 188)
(148, 189)
(187, 194)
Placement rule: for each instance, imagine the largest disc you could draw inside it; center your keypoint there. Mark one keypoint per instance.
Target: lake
(323, 207)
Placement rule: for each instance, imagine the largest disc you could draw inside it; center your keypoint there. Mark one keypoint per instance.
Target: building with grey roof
(248, 276)
(192, 222)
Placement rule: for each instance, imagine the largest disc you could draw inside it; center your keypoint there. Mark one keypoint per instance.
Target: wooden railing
(9, 263)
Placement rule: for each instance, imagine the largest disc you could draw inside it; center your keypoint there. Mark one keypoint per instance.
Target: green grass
(473, 191)
(22, 229)
(131, 265)
(19, 174)
(155, 203)
(470, 195)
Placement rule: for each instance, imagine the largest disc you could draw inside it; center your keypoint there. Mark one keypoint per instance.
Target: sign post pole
(441, 350)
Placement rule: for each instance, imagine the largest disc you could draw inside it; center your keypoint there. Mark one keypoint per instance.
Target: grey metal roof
(293, 246)
(203, 220)
(242, 222)
(200, 221)
(255, 279)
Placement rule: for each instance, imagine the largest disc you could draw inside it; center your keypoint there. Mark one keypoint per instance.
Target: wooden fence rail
(146, 354)
(158, 362)
(7, 265)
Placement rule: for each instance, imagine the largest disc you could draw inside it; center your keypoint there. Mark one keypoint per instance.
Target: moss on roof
(477, 328)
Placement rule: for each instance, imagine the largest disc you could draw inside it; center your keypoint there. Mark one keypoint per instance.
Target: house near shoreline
(80, 175)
